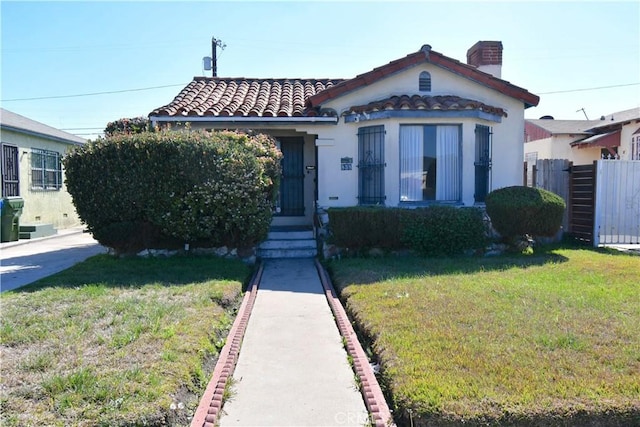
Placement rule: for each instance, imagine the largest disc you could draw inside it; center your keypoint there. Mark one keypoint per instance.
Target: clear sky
(569, 53)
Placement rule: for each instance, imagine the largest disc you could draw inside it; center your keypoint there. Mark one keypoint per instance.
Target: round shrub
(518, 210)
(163, 189)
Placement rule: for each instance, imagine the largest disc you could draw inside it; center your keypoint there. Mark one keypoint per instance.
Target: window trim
(44, 183)
(417, 203)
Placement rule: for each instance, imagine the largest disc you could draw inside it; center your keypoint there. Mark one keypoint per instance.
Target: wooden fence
(603, 198)
(552, 175)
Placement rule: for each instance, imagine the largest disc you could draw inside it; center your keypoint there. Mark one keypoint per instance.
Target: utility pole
(214, 55)
(584, 112)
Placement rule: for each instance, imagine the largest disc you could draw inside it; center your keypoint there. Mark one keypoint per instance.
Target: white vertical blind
(411, 162)
(448, 161)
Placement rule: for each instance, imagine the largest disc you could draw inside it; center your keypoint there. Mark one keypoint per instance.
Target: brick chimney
(487, 57)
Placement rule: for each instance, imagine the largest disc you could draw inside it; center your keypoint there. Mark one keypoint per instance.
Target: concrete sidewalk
(292, 368)
(25, 261)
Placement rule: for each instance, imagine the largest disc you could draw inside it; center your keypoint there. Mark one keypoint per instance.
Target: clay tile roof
(223, 97)
(417, 102)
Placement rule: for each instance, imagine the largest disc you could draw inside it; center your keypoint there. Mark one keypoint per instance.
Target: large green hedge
(151, 190)
(517, 211)
(431, 231)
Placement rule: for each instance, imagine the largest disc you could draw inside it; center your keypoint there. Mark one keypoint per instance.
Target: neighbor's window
(424, 84)
(46, 170)
(430, 163)
(635, 148)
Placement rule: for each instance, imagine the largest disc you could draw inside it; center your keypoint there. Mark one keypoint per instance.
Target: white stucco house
(616, 136)
(32, 170)
(422, 129)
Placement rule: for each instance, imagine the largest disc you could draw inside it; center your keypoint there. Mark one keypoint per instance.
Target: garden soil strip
(371, 391)
(211, 402)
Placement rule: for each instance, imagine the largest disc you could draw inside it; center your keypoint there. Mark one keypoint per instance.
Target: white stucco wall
(559, 147)
(340, 188)
(624, 151)
(41, 206)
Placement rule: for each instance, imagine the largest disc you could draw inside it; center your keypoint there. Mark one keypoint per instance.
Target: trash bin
(11, 209)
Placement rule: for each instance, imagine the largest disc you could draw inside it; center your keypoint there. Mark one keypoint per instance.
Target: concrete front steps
(34, 231)
(288, 242)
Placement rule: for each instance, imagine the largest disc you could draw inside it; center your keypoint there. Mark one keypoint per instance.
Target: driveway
(26, 261)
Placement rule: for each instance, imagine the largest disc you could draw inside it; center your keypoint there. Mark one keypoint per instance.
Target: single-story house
(615, 136)
(32, 170)
(419, 130)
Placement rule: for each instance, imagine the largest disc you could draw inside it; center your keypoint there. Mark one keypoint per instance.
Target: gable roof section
(426, 55)
(248, 99)
(227, 97)
(21, 124)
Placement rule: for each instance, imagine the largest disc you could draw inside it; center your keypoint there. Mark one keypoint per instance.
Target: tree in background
(127, 126)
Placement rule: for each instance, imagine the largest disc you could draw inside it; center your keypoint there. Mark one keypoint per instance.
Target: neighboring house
(583, 141)
(419, 130)
(32, 170)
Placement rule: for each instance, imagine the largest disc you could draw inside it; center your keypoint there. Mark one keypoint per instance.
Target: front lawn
(546, 339)
(115, 342)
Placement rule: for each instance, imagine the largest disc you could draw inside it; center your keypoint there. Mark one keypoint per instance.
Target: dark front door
(292, 183)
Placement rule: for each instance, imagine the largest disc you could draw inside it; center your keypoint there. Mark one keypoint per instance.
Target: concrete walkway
(25, 261)
(292, 368)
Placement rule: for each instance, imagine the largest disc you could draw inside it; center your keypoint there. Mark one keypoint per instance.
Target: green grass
(115, 342)
(551, 338)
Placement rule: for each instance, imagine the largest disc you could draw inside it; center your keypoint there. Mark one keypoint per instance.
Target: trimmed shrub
(432, 231)
(163, 189)
(517, 211)
(444, 230)
(362, 227)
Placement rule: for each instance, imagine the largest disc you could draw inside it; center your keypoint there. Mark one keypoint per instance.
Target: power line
(184, 84)
(588, 88)
(91, 94)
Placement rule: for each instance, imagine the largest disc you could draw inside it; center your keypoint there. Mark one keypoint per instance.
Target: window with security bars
(10, 176)
(46, 170)
(371, 165)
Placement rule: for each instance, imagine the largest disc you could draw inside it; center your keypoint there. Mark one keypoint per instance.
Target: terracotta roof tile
(417, 102)
(224, 97)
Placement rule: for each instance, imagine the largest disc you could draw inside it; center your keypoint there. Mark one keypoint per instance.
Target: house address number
(346, 163)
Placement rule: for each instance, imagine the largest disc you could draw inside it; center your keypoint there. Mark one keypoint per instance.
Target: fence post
(596, 209)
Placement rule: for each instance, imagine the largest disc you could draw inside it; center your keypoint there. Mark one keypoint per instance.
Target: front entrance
(291, 198)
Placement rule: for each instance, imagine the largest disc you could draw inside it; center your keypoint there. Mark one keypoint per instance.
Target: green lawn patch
(116, 342)
(546, 339)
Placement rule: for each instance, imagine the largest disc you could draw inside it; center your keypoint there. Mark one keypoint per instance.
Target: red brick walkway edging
(371, 391)
(208, 411)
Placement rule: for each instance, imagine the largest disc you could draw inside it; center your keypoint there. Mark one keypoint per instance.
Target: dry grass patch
(538, 340)
(116, 342)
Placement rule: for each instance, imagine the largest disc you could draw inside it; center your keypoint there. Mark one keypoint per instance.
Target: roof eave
(464, 70)
(244, 120)
(41, 135)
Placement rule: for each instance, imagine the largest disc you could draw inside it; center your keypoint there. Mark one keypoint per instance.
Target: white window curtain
(448, 155)
(411, 162)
